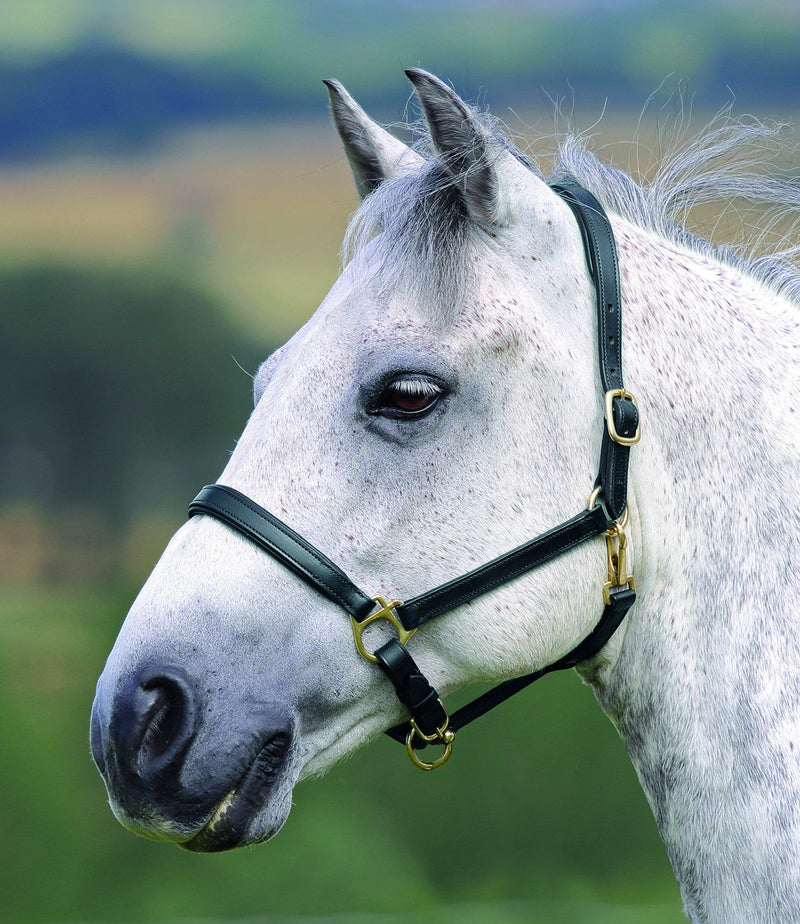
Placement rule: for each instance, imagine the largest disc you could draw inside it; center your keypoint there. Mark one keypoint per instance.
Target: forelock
(417, 229)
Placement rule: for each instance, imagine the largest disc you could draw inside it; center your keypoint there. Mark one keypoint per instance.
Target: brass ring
(618, 526)
(446, 738)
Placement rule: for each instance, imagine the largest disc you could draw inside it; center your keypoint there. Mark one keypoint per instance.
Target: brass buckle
(385, 611)
(443, 736)
(612, 429)
(617, 558)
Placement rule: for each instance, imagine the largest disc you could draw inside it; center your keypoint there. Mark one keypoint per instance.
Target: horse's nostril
(154, 723)
(162, 707)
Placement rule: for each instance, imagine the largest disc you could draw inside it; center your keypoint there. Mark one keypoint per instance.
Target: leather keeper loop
(622, 418)
(413, 689)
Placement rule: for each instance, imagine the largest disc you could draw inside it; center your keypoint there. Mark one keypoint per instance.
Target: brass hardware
(385, 611)
(443, 736)
(616, 551)
(617, 558)
(623, 520)
(612, 430)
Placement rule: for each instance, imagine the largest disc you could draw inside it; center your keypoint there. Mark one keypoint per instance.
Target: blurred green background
(172, 203)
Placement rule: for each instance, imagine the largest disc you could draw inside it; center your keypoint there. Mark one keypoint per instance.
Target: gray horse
(441, 407)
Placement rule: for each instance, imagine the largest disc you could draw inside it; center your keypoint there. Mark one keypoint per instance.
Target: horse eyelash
(411, 386)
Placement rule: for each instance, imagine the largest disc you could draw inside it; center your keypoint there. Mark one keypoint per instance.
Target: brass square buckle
(612, 429)
(386, 612)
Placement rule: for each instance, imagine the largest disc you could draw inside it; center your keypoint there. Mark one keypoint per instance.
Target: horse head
(438, 409)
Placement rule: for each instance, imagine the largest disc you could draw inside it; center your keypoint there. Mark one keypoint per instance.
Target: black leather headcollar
(429, 722)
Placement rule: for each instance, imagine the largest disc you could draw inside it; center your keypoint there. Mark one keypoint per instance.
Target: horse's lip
(229, 825)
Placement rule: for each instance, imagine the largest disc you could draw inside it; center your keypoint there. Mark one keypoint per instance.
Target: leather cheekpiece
(603, 265)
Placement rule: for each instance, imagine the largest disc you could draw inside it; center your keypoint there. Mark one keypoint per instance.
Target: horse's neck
(706, 688)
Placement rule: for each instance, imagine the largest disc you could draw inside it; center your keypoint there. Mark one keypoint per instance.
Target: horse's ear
(374, 154)
(464, 146)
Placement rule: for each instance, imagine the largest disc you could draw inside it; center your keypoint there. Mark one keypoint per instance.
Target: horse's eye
(408, 397)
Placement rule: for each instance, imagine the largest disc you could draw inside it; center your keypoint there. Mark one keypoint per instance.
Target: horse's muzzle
(175, 770)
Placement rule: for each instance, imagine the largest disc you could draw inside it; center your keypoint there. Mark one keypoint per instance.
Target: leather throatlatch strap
(621, 430)
(613, 614)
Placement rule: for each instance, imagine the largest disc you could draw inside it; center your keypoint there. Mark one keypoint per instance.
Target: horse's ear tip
(417, 75)
(429, 86)
(338, 97)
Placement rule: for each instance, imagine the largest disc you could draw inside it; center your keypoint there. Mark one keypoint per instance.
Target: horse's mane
(730, 165)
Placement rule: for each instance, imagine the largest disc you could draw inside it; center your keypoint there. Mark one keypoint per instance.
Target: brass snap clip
(617, 558)
(385, 611)
(443, 736)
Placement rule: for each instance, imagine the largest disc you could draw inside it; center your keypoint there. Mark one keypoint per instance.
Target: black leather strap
(500, 570)
(620, 602)
(283, 543)
(294, 552)
(413, 689)
(601, 259)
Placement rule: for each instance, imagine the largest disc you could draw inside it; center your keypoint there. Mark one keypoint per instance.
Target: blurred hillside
(87, 77)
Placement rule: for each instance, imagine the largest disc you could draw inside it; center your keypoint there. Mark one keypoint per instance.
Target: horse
(443, 406)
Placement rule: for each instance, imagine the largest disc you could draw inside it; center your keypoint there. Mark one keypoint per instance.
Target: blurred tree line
(123, 391)
(123, 74)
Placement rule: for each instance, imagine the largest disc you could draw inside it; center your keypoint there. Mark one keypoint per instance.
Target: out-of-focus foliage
(123, 384)
(124, 391)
